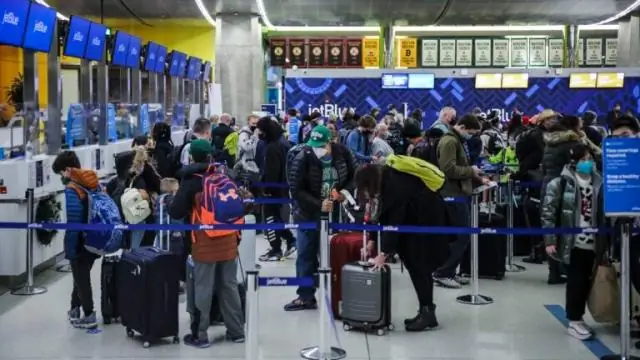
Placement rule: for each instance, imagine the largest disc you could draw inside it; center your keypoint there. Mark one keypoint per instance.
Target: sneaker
(87, 322)
(271, 255)
(74, 314)
(580, 330)
(462, 280)
(447, 282)
(239, 339)
(290, 251)
(299, 304)
(196, 342)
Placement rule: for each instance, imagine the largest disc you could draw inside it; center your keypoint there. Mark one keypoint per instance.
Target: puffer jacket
(558, 143)
(306, 190)
(76, 210)
(569, 203)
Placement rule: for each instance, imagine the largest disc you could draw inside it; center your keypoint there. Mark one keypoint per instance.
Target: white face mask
(320, 122)
(320, 152)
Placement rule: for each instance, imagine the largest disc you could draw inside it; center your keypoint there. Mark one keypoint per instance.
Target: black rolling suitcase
(148, 284)
(492, 249)
(109, 289)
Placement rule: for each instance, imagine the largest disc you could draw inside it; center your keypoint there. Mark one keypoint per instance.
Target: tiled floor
(516, 326)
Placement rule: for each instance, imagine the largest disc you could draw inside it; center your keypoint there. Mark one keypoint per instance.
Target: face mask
(584, 167)
(320, 122)
(320, 152)
(65, 180)
(454, 120)
(252, 128)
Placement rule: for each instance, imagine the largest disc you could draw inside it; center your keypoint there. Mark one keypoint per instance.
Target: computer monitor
(96, 42)
(133, 59)
(77, 35)
(41, 22)
(182, 67)
(174, 63)
(197, 73)
(206, 71)
(150, 56)
(14, 21)
(191, 70)
(120, 49)
(161, 59)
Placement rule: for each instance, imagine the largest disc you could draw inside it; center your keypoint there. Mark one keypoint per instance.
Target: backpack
(134, 207)
(427, 151)
(291, 155)
(431, 176)
(496, 142)
(175, 158)
(231, 144)
(220, 202)
(102, 209)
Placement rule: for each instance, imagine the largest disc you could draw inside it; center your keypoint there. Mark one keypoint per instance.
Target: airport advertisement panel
(332, 96)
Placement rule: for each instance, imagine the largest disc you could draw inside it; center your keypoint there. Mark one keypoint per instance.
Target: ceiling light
(599, 27)
(60, 16)
(500, 28)
(263, 14)
(620, 14)
(205, 13)
(353, 29)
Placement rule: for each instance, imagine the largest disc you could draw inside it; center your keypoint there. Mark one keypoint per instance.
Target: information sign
(269, 108)
(621, 173)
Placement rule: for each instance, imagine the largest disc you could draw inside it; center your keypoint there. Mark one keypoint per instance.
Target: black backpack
(426, 151)
(175, 158)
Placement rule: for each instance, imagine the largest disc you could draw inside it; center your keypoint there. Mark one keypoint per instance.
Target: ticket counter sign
(621, 176)
(371, 52)
(407, 53)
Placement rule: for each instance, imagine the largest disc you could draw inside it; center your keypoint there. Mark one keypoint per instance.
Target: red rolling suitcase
(345, 248)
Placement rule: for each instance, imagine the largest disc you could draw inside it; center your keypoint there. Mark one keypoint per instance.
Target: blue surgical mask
(466, 136)
(584, 167)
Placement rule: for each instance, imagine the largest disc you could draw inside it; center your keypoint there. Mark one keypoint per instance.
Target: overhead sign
(407, 53)
(270, 109)
(621, 173)
(371, 52)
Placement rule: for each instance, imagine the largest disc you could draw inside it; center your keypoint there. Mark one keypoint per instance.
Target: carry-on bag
(492, 248)
(168, 240)
(109, 289)
(345, 248)
(148, 284)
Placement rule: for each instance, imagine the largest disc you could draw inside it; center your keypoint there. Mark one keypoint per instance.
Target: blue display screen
(40, 25)
(395, 81)
(197, 73)
(77, 37)
(421, 81)
(14, 20)
(175, 63)
(206, 73)
(133, 60)
(120, 49)
(191, 70)
(161, 59)
(182, 68)
(150, 58)
(95, 42)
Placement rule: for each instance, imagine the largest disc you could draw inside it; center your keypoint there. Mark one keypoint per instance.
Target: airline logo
(161, 58)
(277, 282)
(134, 51)
(78, 37)
(122, 48)
(96, 41)
(10, 18)
(40, 27)
(152, 56)
(174, 63)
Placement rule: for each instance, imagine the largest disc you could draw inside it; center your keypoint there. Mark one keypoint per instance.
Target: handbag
(134, 207)
(604, 297)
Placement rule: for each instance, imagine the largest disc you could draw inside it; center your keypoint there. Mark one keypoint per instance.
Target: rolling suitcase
(109, 289)
(345, 248)
(148, 284)
(492, 249)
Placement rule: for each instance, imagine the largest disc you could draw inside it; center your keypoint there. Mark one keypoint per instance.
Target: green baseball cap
(319, 137)
(200, 149)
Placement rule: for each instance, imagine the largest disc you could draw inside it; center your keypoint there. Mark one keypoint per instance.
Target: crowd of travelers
(319, 158)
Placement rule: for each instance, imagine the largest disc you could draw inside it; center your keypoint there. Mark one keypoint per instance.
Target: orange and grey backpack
(219, 203)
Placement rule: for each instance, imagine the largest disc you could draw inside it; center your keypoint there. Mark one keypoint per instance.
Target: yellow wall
(191, 36)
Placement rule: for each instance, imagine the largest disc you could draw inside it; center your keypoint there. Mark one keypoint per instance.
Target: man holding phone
(460, 175)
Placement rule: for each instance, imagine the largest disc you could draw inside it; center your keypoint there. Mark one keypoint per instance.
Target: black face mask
(262, 136)
(454, 120)
(252, 128)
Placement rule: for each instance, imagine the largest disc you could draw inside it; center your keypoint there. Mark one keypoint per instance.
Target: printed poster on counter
(144, 119)
(335, 50)
(556, 52)
(464, 52)
(537, 52)
(407, 53)
(112, 132)
(447, 52)
(429, 56)
(500, 52)
(483, 52)
(621, 175)
(580, 53)
(156, 114)
(610, 51)
(178, 117)
(519, 52)
(297, 53)
(593, 52)
(76, 124)
(316, 52)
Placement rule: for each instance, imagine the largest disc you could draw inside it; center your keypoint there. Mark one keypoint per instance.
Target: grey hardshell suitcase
(366, 296)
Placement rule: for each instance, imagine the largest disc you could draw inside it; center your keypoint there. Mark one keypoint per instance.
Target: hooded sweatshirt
(76, 208)
(274, 156)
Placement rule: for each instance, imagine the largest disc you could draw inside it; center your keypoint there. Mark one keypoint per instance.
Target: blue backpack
(102, 210)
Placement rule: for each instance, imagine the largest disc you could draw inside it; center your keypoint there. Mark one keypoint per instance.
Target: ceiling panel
(145, 9)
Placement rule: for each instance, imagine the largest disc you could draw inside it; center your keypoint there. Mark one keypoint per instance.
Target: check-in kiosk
(177, 71)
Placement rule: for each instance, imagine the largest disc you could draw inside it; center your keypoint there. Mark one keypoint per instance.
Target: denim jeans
(308, 243)
(136, 238)
(459, 216)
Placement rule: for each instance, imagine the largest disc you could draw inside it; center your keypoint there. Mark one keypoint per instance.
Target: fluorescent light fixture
(205, 13)
(352, 29)
(60, 16)
(614, 27)
(620, 14)
(499, 28)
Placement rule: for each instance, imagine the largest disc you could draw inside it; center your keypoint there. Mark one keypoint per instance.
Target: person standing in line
(446, 119)
(201, 130)
(293, 126)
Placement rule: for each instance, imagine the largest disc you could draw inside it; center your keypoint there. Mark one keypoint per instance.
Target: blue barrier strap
(450, 230)
(528, 184)
(285, 281)
(165, 227)
(268, 201)
(451, 199)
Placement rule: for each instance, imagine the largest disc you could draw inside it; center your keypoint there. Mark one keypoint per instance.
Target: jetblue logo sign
(10, 18)
(96, 41)
(78, 36)
(40, 27)
(277, 282)
(122, 48)
(134, 52)
(152, 56)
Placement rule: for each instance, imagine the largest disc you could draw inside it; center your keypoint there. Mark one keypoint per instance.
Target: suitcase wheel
(130, 333)
(146, 344)
(391, 327)
(176, 339)
(381, 332)
(346, 326)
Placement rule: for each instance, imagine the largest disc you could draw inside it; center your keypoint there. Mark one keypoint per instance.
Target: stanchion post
(625, 287)
(251, 316)
(475, 298)
(511, 267)
(30, 288)
(324, 351)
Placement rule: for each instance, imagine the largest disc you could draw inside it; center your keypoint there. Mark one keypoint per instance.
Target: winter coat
(454, 163)
(558, 144)
(76, 209)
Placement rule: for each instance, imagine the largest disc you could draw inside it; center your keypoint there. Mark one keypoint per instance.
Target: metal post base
(474, 299)
(515, 268)
(619, 357)
(64, 268)
(29, 290)
(314, 353)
